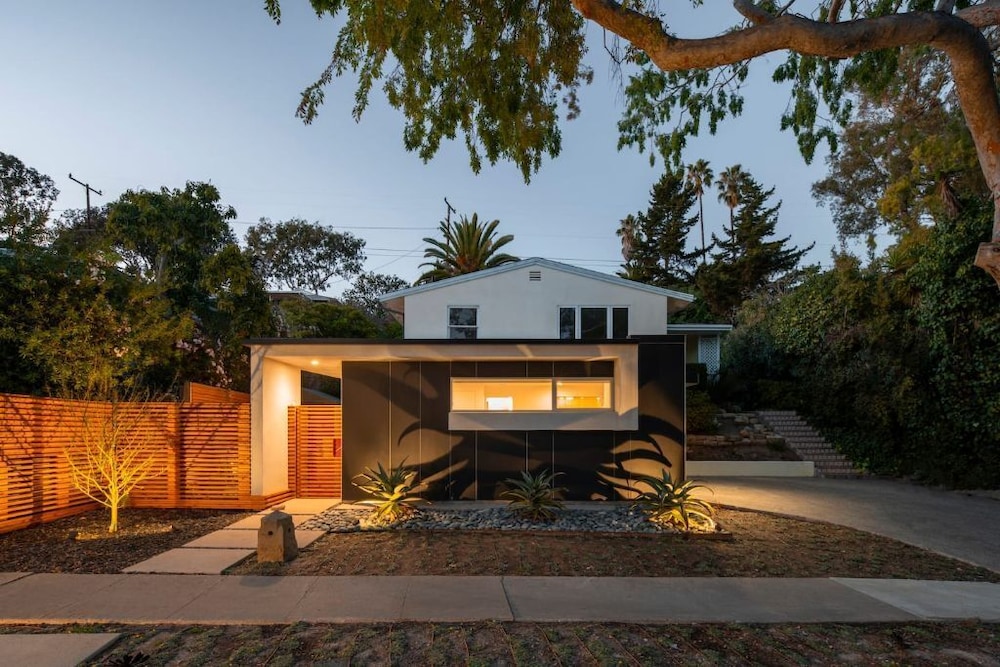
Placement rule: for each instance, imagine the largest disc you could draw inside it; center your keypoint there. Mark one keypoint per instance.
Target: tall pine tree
(658, 254)
(749, 257)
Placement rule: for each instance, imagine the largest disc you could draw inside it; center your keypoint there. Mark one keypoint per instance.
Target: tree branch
(981, 15)
(835, 7)
(956, 35)
(752, 12)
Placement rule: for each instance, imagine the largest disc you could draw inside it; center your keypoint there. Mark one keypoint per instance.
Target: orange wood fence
(315, 448)
(201, 452)
(203, 393)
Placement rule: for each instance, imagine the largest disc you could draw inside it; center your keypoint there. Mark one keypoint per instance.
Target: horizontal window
(593, 322)
(534, 395)
(583, 394)
(501, 395)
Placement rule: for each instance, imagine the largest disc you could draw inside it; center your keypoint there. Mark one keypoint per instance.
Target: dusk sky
(143, 95)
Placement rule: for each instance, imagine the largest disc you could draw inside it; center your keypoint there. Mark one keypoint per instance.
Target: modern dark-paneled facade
(469, 422)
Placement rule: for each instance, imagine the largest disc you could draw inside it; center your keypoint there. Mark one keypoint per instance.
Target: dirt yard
(586, 644)
(142, 534)
(763, 545)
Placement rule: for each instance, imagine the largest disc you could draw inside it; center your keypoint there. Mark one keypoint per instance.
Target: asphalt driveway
(952, 523)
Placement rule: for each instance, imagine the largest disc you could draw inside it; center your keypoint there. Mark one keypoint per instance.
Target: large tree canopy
(303, 255)
(26, 199)
(657, 237)
(500, 72)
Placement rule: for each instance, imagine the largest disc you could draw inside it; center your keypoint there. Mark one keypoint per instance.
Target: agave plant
(670, 503)
(392, 490)
(534, 495)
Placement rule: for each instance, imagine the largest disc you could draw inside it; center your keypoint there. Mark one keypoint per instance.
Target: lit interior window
(501, 395)
(517, 395)
(583, 394)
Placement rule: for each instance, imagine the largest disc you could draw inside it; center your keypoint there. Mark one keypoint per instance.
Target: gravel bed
(616, 520)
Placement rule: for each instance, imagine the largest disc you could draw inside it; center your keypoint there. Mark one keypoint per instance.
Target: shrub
(392, 490)
(672, 504)
(534, 495)
(701, 413)
(696, 374)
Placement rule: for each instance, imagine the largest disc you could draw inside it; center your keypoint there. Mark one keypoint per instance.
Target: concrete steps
(808, 444)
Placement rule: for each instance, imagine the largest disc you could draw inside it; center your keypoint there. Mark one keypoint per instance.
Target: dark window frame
(616, 322)
(458, 330)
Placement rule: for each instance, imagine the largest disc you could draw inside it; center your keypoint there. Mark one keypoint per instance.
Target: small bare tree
(117, 453)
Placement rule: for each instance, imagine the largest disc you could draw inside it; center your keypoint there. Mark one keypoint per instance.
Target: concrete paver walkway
(215, 599)
(948, 522)
(213, 553)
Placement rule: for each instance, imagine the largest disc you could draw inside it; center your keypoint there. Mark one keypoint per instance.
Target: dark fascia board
(634, 340)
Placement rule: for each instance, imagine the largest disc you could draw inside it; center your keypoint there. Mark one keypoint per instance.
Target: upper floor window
(463, 322)
(593, 322)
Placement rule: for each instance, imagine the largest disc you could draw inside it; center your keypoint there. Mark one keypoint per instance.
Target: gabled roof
(540, 263)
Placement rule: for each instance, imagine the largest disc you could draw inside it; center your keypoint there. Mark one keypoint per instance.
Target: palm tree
(699, 175)
(730, 182)
(627, 232)
(467, 246)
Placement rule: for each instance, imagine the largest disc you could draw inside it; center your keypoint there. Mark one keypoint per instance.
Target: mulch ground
(142, 534)
(763, 545)
(492, 643)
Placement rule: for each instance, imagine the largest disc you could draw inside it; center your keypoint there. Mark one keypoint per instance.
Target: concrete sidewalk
(214, 599)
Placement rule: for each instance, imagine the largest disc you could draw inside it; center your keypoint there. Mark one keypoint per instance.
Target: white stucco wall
(274, 387)
(511, 306)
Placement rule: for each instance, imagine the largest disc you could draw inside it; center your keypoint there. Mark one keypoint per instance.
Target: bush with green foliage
(534, 495)
(392, 490)
(701, 413)
(672, 503)
(890, 360)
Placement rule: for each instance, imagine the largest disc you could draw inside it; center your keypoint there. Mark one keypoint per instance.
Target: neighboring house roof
(295, 295)
(394, 300)
(698, 328)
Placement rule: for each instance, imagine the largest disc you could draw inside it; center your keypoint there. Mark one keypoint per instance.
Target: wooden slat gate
(315, 449)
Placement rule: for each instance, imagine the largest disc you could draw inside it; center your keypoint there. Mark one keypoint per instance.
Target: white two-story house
(533, 365)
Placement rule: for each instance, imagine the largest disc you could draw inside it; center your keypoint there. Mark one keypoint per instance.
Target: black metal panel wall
(435, 440)
(399, 410)
(368, 428)
(661, 409)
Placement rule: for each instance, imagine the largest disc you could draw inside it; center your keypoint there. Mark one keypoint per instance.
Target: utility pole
(448, 212)
(86, 186)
